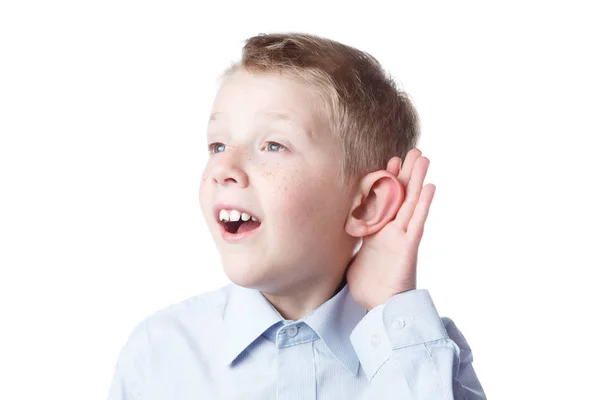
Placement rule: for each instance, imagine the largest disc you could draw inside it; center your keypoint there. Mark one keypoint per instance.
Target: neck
(304, 298)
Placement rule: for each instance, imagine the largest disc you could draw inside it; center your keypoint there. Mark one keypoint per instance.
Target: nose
(228, 171)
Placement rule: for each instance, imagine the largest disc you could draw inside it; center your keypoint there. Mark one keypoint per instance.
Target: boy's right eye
(216, 148)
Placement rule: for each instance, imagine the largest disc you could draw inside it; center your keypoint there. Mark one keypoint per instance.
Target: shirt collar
(249, 314)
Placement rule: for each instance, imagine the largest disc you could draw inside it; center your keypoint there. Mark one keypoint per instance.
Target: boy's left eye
(274, 146)
(216, 148)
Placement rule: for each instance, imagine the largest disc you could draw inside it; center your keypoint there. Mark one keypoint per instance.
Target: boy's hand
(386, 264)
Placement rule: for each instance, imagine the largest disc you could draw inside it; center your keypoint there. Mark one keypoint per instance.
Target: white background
(103, 108)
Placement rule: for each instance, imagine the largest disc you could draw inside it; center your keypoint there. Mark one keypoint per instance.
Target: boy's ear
(377, 201)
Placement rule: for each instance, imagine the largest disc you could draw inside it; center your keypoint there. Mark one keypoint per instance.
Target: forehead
(267, 96)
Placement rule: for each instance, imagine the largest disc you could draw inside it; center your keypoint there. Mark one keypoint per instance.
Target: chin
(244, 273)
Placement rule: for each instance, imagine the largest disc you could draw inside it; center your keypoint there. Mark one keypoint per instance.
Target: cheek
(204, 191)
(205, 174)
(299, 201)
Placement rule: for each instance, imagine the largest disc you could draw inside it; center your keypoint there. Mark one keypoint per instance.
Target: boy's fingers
(409, 162)
(417, 222)
(413, 192)
(393, 166)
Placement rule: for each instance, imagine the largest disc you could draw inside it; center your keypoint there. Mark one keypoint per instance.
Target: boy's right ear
(377, 201)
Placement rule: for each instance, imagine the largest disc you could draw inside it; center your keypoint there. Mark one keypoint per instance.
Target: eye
(274, 147)
(216, 148)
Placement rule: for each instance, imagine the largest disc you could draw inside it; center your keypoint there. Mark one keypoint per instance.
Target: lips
(236, 223)
(239, 235)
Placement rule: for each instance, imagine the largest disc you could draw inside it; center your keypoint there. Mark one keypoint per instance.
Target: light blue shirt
(231, 343)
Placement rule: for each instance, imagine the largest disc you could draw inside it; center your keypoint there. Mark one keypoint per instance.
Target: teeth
(234, 215)
(223, 215)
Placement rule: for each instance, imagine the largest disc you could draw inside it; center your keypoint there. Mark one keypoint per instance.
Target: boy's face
(273, 156)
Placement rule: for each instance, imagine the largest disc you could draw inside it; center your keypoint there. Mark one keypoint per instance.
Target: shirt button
(398, 323)
(375, 340)
(292, 331)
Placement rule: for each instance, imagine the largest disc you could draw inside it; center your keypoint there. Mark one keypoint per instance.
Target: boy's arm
(408, 352)
(130, 371)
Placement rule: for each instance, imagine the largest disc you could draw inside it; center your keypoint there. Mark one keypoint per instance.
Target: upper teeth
(234, 215)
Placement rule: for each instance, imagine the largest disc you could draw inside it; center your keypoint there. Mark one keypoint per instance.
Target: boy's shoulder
(186, 332)
(208, 302)
(191, 313)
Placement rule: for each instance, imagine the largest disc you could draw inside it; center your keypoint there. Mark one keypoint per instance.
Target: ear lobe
(377, 202)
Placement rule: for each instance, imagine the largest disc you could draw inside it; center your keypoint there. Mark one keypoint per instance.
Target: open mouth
(236, 221)
(240, 226)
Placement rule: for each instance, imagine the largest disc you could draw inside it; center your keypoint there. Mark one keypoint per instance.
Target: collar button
(292, 331)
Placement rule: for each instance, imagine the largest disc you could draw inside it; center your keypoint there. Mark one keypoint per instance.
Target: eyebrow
(274, 115)
(269, 115)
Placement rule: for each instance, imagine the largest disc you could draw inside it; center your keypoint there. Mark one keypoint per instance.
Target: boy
(306, 139)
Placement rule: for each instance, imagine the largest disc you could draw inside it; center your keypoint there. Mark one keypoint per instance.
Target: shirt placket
(296, 372)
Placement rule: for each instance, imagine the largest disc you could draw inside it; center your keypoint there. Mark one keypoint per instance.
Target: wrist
(370, 306)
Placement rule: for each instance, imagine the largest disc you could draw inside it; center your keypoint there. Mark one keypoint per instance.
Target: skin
(284, 171)
(386, 264)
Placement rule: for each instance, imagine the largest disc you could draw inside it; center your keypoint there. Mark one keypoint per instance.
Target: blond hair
(373, 120)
